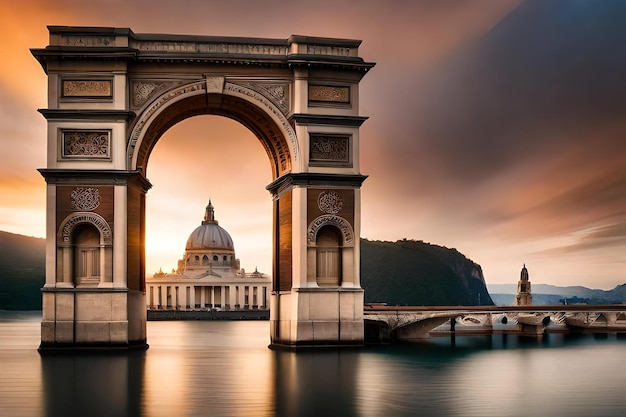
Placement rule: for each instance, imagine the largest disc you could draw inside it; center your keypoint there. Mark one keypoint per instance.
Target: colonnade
(200, 297)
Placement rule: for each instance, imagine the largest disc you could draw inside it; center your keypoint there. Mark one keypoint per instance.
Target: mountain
(409, 272)
(22, 271)
(552, 294)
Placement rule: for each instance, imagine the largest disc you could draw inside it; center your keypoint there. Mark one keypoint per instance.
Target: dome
(209, 235)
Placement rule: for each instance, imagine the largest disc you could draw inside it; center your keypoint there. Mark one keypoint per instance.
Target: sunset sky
(497, 127)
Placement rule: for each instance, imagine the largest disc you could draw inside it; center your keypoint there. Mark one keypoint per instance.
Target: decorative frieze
(209, 47)
(88, 144)
(331, 50)
(85, 199)
(87, 88)
(84, 40)
(329, 94)
(329, 149)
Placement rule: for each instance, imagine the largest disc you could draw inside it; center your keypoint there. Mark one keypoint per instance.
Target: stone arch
(331, 220)
(237, 102)
(70, 222)
(329, 245)
(121, 91)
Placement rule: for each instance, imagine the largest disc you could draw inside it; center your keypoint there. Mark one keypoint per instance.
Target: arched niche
(84, 251)
(330, 249)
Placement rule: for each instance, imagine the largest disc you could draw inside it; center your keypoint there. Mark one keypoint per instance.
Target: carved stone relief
(330, 219)
(330, 50)
(329, 202)
(85, 199)
(142, 91)
(86, 144)
(329, 93)
(209, 47)
(71, 221)
(277, 93)
(82, 40)
(324, 148)
(87, 88)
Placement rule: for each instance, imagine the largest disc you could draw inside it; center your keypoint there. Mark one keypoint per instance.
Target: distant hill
(409, 272)
(405, 272)
(503, 294)
(22, 271)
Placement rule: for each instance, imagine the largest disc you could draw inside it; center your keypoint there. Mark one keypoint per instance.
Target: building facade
(208, 276)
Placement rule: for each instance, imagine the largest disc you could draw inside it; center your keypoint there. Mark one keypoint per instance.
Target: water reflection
(93, 384)
(316, 383)
(209, 368)
(225, 369)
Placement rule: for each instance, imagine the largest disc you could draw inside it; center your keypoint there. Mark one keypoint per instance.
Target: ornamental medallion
(330, 202)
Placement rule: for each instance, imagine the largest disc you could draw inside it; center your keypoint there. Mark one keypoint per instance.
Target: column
(67, 267)
(120, 207)
(202, 297)
(231, 296)
(51, 232)
(192, 297)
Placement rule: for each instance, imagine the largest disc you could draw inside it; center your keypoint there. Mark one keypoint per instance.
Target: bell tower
(523, 297)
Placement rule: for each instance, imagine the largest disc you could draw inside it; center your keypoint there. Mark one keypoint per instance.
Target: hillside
(22, 271)
(409, 272)
(405, 272)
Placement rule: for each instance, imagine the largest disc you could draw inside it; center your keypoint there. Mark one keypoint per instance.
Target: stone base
(94, 318)
(317, 317)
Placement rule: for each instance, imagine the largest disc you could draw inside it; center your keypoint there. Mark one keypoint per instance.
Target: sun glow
(214, 158)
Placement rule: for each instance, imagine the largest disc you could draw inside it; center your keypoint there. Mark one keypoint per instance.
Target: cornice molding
(56, 114)
(311, 179)
(59, 176)
(322, 119)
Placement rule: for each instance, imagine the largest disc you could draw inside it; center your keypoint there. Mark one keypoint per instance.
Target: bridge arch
(113, 94)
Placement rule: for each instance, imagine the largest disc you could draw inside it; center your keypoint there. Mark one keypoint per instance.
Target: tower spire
(209, 214)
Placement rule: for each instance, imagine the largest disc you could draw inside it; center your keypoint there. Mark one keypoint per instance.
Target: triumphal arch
(112, 94)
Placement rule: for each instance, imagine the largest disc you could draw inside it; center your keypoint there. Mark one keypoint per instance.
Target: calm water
(204, 368)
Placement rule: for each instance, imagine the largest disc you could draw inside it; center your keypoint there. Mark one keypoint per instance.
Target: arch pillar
(303, 313)
(111, 312)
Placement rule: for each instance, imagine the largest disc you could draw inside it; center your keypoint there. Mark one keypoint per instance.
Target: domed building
(208, 276)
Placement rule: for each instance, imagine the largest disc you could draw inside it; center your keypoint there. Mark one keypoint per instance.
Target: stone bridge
(386, 323)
